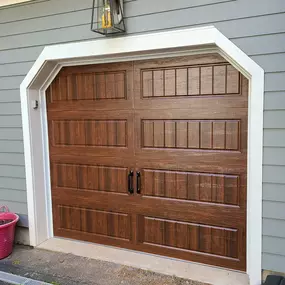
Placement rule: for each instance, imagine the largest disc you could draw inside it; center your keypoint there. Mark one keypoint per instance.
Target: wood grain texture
(90, 177)
(89, 86)
(207, 187)
(190, 237)
(90, 140)
(181, 122)
(116, 225)
(191, 149)
(187, 134)
(190, 81)
(89, 132)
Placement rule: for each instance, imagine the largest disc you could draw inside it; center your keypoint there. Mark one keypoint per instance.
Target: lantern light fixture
(108, 17)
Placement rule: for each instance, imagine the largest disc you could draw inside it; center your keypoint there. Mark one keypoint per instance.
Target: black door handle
(131, 182)
(138, 182)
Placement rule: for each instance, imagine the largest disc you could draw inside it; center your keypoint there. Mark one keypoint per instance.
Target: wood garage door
(152, 156)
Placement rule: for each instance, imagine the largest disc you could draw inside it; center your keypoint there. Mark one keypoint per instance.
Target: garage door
(152, 156)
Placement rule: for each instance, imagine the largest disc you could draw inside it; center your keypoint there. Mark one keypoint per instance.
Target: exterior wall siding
(256, 26)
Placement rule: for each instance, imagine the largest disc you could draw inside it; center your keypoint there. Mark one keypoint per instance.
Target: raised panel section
(206, 79)
(190, 81)
(90, 177)
(189, 236)
(109, 133)
(103, 223)
(204, 187)
(191, 134)
(89, 86)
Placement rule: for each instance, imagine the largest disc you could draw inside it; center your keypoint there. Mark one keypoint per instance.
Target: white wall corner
(255, 74)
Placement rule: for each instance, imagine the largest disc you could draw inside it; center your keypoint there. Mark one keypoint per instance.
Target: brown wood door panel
(87, 114)
(184, 250)
(182, 123)
(212, 84)
(218, 245)
(191, 150)
(222, 135)
(108, 133)
(93, 178)
(209, 145)
(184, 211)
(95, 224)
(95, 238)
(217, 103)
(90, 120)
(92, 87)
(123, 161)
(169, 78)
(152, 159)
(209, 112)
(224, 189)
(212, 259)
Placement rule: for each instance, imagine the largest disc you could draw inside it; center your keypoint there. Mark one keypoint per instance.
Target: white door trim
(169, 43)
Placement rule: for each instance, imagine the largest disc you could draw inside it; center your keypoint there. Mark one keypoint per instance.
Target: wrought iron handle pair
(131, 182)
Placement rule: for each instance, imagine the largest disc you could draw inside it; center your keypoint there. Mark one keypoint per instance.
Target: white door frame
(169, 43)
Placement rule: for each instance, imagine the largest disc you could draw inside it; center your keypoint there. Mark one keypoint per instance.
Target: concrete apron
(159, 264)
(67, 269)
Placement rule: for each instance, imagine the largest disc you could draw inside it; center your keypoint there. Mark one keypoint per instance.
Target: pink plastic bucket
(7, 231)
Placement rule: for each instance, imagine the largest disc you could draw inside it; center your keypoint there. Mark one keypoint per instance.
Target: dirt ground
(67, 269)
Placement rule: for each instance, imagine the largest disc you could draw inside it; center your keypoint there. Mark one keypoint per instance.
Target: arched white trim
(186, 41)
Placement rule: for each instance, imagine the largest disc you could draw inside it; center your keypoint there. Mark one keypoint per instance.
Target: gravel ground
(67, 269)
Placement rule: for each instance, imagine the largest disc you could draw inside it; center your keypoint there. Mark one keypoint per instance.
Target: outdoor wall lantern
(107, 17)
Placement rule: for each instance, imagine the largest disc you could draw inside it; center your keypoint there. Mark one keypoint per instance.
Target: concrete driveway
(67, 269)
